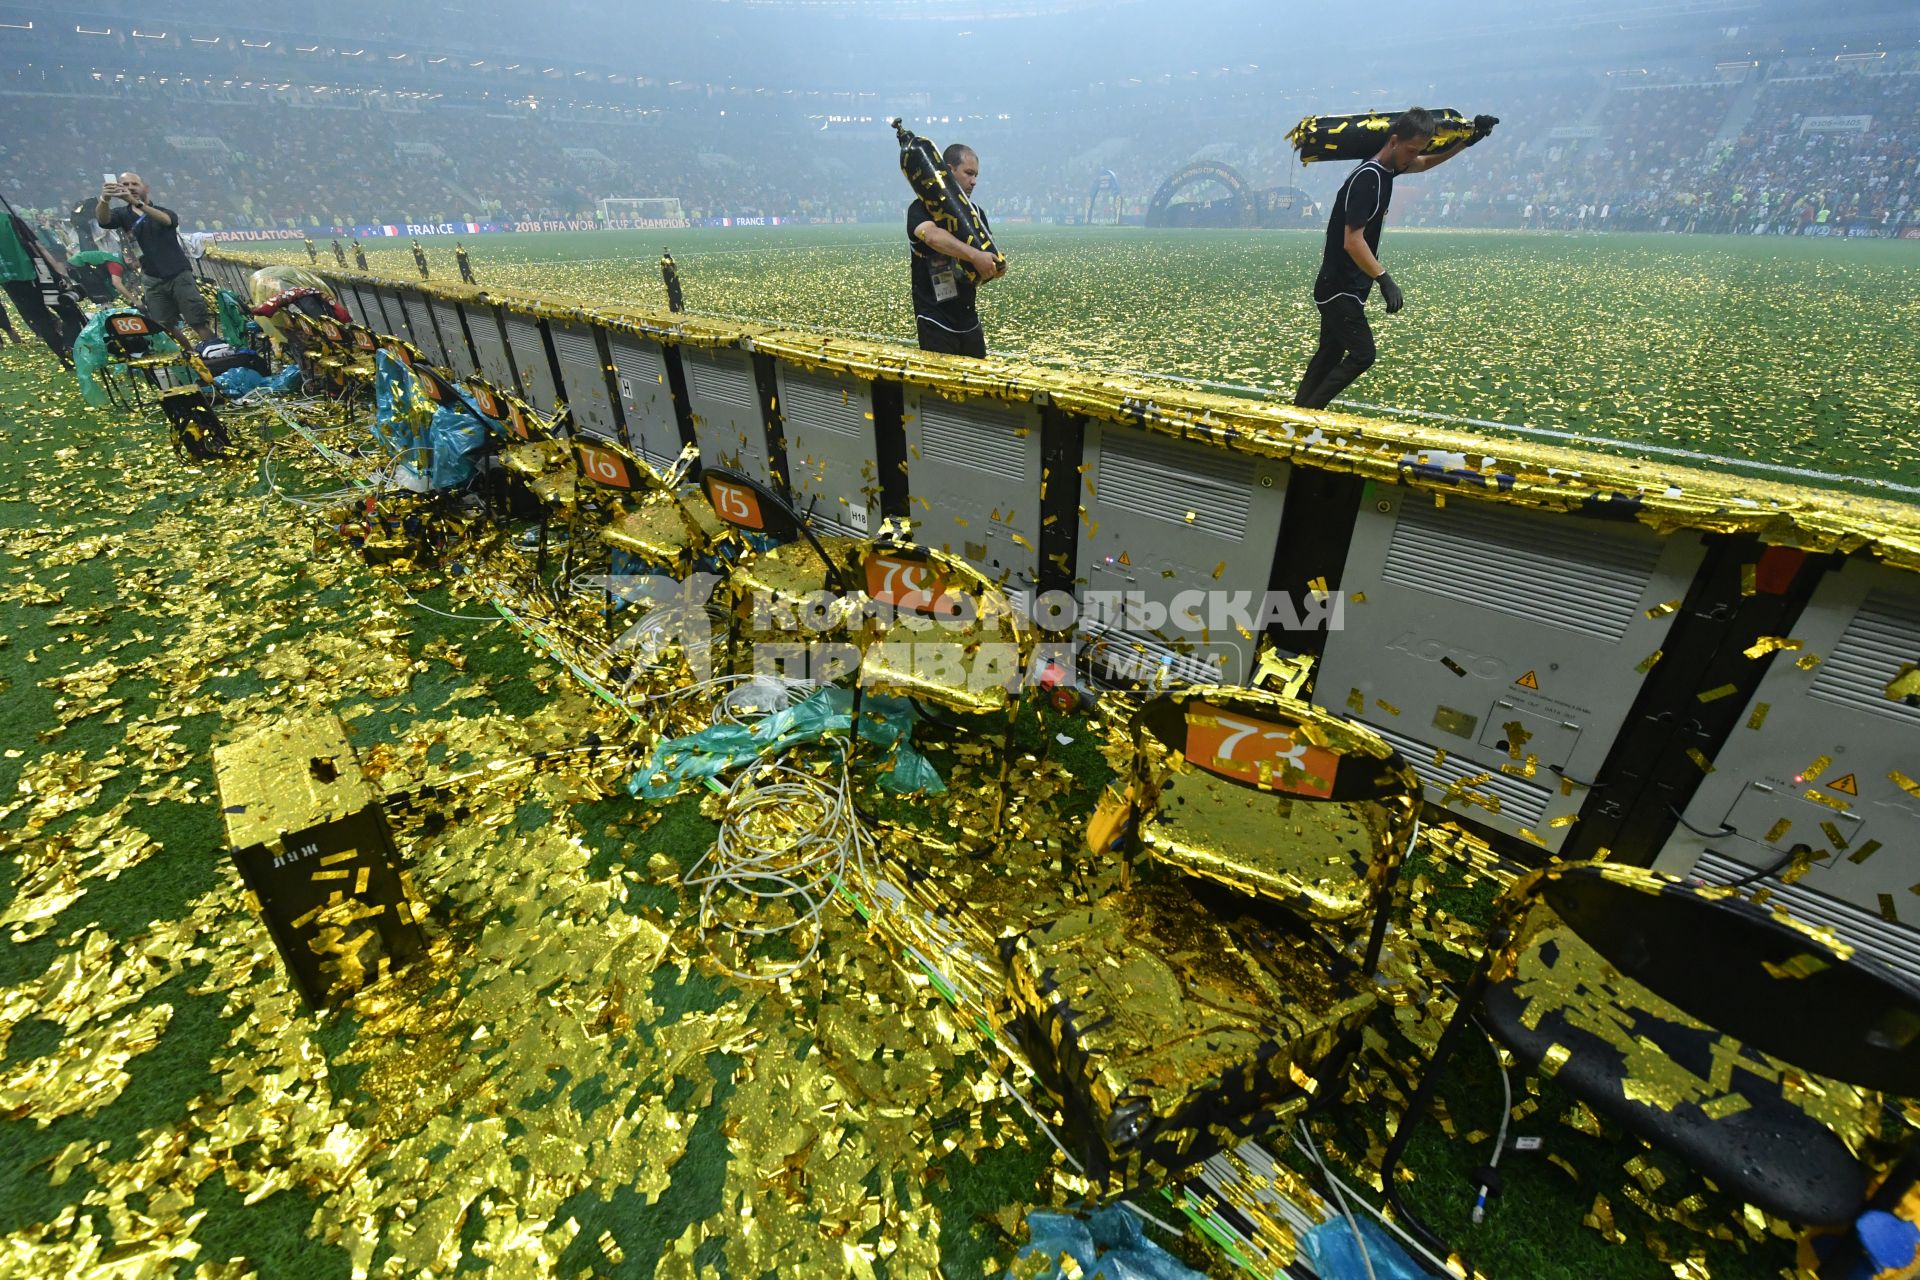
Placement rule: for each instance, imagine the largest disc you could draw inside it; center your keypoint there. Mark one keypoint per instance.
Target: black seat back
(1746, 972)
(129, 334)
(755, 509)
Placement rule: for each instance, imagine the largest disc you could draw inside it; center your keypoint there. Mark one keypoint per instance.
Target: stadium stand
(1787, 147)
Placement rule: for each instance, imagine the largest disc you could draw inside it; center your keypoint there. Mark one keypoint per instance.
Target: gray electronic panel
(380, 317)
(640, 370)
(973, 476)
(398, 326)
(350, 299)
(496, 366)
(426, 334)
(530, 358)
(586, 379)
(1495, 644)
(1816, 759)
(447, 316)
(1185, 533)
(831, 470)
(727, 421)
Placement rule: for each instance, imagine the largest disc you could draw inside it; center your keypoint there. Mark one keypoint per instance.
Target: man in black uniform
(171, 295)
(1349, 265)
(943, 294)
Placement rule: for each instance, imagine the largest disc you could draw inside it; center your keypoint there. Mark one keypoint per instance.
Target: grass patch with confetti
(569, 1084)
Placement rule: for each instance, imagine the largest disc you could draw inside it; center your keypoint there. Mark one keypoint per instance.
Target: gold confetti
(1769, 644)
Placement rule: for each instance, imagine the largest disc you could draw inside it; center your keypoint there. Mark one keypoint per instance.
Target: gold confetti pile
(570, 1081)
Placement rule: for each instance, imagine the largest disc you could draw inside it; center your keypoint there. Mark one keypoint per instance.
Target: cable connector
(1487, 1179)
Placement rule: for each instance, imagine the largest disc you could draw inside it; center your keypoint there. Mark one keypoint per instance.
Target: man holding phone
(171, 296)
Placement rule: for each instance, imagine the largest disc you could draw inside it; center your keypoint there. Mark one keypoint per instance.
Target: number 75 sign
(1246, 749)
(736, 504)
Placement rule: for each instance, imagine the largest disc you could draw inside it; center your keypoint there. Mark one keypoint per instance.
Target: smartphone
(109, 178)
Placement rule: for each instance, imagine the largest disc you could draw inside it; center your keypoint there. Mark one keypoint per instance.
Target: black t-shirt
(935, 274)
(1362, 202)
(160, 253)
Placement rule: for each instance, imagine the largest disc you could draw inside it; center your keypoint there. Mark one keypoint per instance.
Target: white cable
(1339, 1199)
(807, 862)
(1506, 1114)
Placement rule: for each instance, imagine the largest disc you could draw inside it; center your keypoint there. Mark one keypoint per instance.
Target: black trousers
(946, 342)
(1345, 352)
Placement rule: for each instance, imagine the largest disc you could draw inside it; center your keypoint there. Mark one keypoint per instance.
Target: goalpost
(663, 210)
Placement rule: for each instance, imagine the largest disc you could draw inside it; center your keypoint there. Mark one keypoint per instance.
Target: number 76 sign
(1244, 748)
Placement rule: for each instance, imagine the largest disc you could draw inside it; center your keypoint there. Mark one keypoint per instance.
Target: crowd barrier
(1580, 655)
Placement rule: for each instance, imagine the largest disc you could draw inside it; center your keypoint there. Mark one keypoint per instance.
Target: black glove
(1390, 292)
(1482, 127)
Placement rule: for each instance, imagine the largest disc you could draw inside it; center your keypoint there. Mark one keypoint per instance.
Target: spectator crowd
(1780, 149)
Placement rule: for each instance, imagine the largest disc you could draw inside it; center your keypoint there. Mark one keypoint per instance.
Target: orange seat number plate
(736, 504)
(1272, 756)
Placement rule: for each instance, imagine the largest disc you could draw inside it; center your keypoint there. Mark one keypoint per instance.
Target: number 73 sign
(1243, 748)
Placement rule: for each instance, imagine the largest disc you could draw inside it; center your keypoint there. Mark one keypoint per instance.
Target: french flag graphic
(390, 231)
(473, 228)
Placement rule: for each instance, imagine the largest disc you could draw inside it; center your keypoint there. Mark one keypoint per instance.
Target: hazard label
(1528, 681)
(1845, 786)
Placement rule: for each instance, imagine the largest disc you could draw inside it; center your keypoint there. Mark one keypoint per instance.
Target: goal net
(658, 210)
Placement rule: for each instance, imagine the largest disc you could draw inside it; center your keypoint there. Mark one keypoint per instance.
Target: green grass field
(1787, 352)
(567, 1088)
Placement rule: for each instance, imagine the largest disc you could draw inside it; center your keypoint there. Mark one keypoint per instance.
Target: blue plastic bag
(1107, 1245)
(1331, 1248)
(457, 438)
(402, 417)
(239, 381)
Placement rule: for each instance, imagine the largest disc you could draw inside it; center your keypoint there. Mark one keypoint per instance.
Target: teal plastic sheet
(887, 722)
(90, 354)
